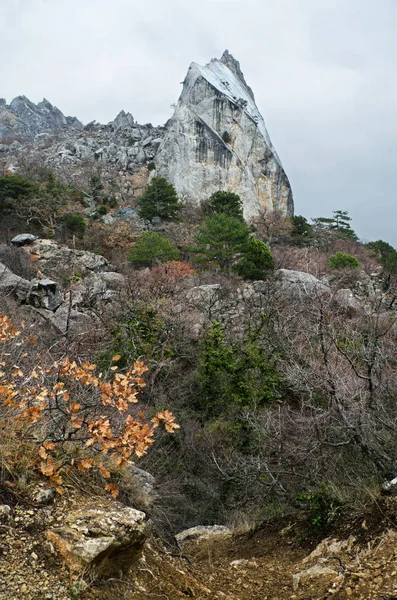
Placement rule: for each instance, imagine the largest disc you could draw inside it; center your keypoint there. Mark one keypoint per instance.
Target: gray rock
(200, 533)
(44, 496)
(139, 486)
(346, 298)
(389, 488)
(127, 212)
(5, 512)
(11, 284)
(24, 118)
(123, 121)
(23, 238)
(194, 157)
(298, 283)
(53, 258)
(100, 539)
(44, 293)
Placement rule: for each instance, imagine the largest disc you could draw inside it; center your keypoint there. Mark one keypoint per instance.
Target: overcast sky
(323, 73)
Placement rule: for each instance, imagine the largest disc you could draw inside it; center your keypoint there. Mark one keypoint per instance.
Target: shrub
(221, 240)
(74, 223)
(226, 137)
(151, 166)
(82, 421)
(235, 375)
(301, 231)
(15, 187)
(102, 210)
(159, 200)
(323, 510)
(226, 203)
(343, 261)
(257, 261)
(151, 249)
(139, 335)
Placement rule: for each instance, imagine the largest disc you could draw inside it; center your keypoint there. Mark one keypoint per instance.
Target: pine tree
(152, 248)
(159, 200)
(257, 261)
(221, 240)
(227, 203)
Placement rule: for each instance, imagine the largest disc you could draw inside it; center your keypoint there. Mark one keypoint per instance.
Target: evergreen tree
(221, 240)
(159, 200)
(152, 248)
(339, 223)
(14, 188)
(257, 261)
(220, 202)
(235, 375)
(301, 232)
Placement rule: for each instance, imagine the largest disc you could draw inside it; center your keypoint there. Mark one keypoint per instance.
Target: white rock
(194, 157)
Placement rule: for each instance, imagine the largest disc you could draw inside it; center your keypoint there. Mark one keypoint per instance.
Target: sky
(323, 74)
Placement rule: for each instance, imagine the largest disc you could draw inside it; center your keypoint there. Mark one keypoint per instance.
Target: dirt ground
(358, 560)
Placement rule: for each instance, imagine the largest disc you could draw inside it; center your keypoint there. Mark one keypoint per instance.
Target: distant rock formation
(23, 118)
(217, 140)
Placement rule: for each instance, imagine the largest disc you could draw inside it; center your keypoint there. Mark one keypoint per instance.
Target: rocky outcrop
(99, 541)
(201, 533)
(23, 118)
(217, 140)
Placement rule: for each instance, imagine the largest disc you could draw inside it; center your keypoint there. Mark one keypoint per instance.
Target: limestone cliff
(217, 139)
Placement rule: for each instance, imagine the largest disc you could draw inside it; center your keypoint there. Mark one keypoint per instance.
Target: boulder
(139, 486)
(203, 295)
(23, 239)
(100, 540)
(44, 293)
(54, 259)
(201, 533)
(317, 577)
(11, 284)
(301, 284)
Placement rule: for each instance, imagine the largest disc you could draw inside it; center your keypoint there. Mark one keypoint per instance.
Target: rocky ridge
(25, 119)
(216, 139)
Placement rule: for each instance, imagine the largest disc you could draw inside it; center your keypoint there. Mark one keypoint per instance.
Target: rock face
(217, 140)
(26, 119)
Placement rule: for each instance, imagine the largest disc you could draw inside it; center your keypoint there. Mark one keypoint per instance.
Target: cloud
(322, 72)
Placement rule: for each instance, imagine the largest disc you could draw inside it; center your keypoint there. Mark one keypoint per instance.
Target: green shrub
(343, 261)
(235, 375)
(75, 224)
(226, 203)
(257, 261)
(14, 188)
(151, 166)
(220, 241)
(301, 232)
(151, 249)
(159, 200)
(226, 137)
(140, 334)
(102, 210)
(323, 510)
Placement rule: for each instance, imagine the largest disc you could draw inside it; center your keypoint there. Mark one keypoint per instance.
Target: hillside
(174, 361)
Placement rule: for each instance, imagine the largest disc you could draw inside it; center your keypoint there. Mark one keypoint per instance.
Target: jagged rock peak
(217, 140)
(123, 121)
(25, 119)
(234, 65)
